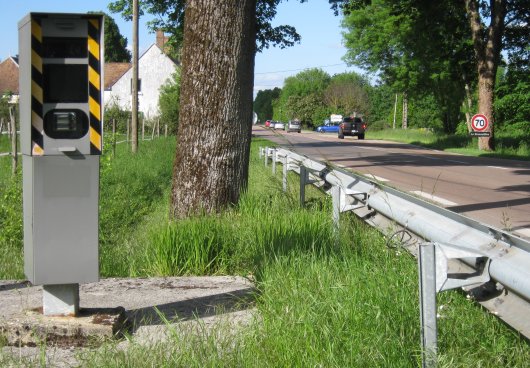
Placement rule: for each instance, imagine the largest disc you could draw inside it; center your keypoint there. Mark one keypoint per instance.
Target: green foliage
(114, 113)
(169, 102)
(416, 47)
(131, 187)
(263, 103)
(11, 227)
(513, 94)
(301, 97)
(169, 17)
(347, 93)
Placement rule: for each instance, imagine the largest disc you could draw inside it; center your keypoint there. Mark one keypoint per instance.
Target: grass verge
(322, 300)
(508, 145)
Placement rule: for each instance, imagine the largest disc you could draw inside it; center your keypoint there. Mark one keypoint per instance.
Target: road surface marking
(377, 178)
(434, 198)
(499, 167)
(523, 232)
(457, 162)
(371, 148)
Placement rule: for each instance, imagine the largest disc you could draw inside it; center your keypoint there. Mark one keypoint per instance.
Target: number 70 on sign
(479, 122)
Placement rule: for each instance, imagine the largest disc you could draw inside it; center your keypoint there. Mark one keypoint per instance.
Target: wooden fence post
(165, 130)
(113, 137)
(13, 140)
(128, 131)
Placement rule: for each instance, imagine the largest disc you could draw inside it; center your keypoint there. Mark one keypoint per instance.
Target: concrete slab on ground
(146, 304)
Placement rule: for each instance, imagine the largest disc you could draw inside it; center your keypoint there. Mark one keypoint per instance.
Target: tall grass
(321, 301)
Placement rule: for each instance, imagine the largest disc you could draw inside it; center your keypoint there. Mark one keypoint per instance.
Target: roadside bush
(11, 229)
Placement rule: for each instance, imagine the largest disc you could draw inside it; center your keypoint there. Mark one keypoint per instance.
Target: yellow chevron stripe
(36, 121)
(93, 47)
(93, 77)
(36, 91)
(94, 22)
(36, 61)
(95, 108)
(36, 30)
(37, 150)
(95, 138)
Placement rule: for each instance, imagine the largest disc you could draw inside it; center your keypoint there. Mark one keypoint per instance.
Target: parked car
(328, 128)
(268, 123)
(352, 126)
(294, 126)
(279, 125)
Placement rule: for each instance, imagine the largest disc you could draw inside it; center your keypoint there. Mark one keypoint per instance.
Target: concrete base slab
(91, 327)
(147, 306)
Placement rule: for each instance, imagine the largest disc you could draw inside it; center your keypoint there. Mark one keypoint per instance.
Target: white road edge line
(499, 167)
(523, 232)
(434, 198)
(378, 178)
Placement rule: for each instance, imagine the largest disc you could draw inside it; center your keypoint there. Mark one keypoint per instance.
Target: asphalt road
(492, 191)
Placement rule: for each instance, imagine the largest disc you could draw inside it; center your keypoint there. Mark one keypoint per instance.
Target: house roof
(9, 76)
(113, 72)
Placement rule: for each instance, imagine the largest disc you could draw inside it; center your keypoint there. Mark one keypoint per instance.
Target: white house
(154, 69)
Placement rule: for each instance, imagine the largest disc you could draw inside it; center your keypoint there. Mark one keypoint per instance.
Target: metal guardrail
(507, 295)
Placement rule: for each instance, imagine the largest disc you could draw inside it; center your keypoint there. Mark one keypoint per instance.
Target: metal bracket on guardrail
(434, 276)
(341, 202)
(304, 180)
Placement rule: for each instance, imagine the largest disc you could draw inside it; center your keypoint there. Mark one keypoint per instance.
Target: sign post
(480, 124)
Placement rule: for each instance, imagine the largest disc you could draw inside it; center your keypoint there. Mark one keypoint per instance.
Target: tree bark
(215, 122)
(487, 44)
(405, 116)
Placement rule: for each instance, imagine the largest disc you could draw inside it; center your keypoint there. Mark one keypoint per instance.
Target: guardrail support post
(285, 169)
(335, 198)
(266, 156)
(303, 181)
(274, 157)
(429, 339)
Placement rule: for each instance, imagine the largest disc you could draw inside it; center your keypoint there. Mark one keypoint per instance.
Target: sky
(321, 44)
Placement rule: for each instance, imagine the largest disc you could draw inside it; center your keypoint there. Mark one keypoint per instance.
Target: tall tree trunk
(215, 121)
(405, 117)
(468, 102)
(134, 81)
(488, 44)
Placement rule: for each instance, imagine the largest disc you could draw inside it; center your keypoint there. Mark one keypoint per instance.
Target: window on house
(139, 85)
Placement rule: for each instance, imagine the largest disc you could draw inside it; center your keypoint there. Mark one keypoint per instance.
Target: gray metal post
(303, 181)
(285, 169)
(60, 300)
(335, 198)
(274, 153)
(427, 271)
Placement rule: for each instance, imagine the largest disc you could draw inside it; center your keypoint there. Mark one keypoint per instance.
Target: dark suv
(352, 126)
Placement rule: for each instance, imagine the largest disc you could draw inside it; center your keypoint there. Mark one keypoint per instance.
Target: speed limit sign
(479, 122)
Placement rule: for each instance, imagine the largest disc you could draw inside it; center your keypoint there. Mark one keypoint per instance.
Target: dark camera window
(65, 83)
(65, 124)
(64, 47)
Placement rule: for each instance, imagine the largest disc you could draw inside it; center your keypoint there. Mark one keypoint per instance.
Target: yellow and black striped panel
(94, 85)
(37, 126)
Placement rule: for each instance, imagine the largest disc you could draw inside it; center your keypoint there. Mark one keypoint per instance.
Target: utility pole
(134, 84)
